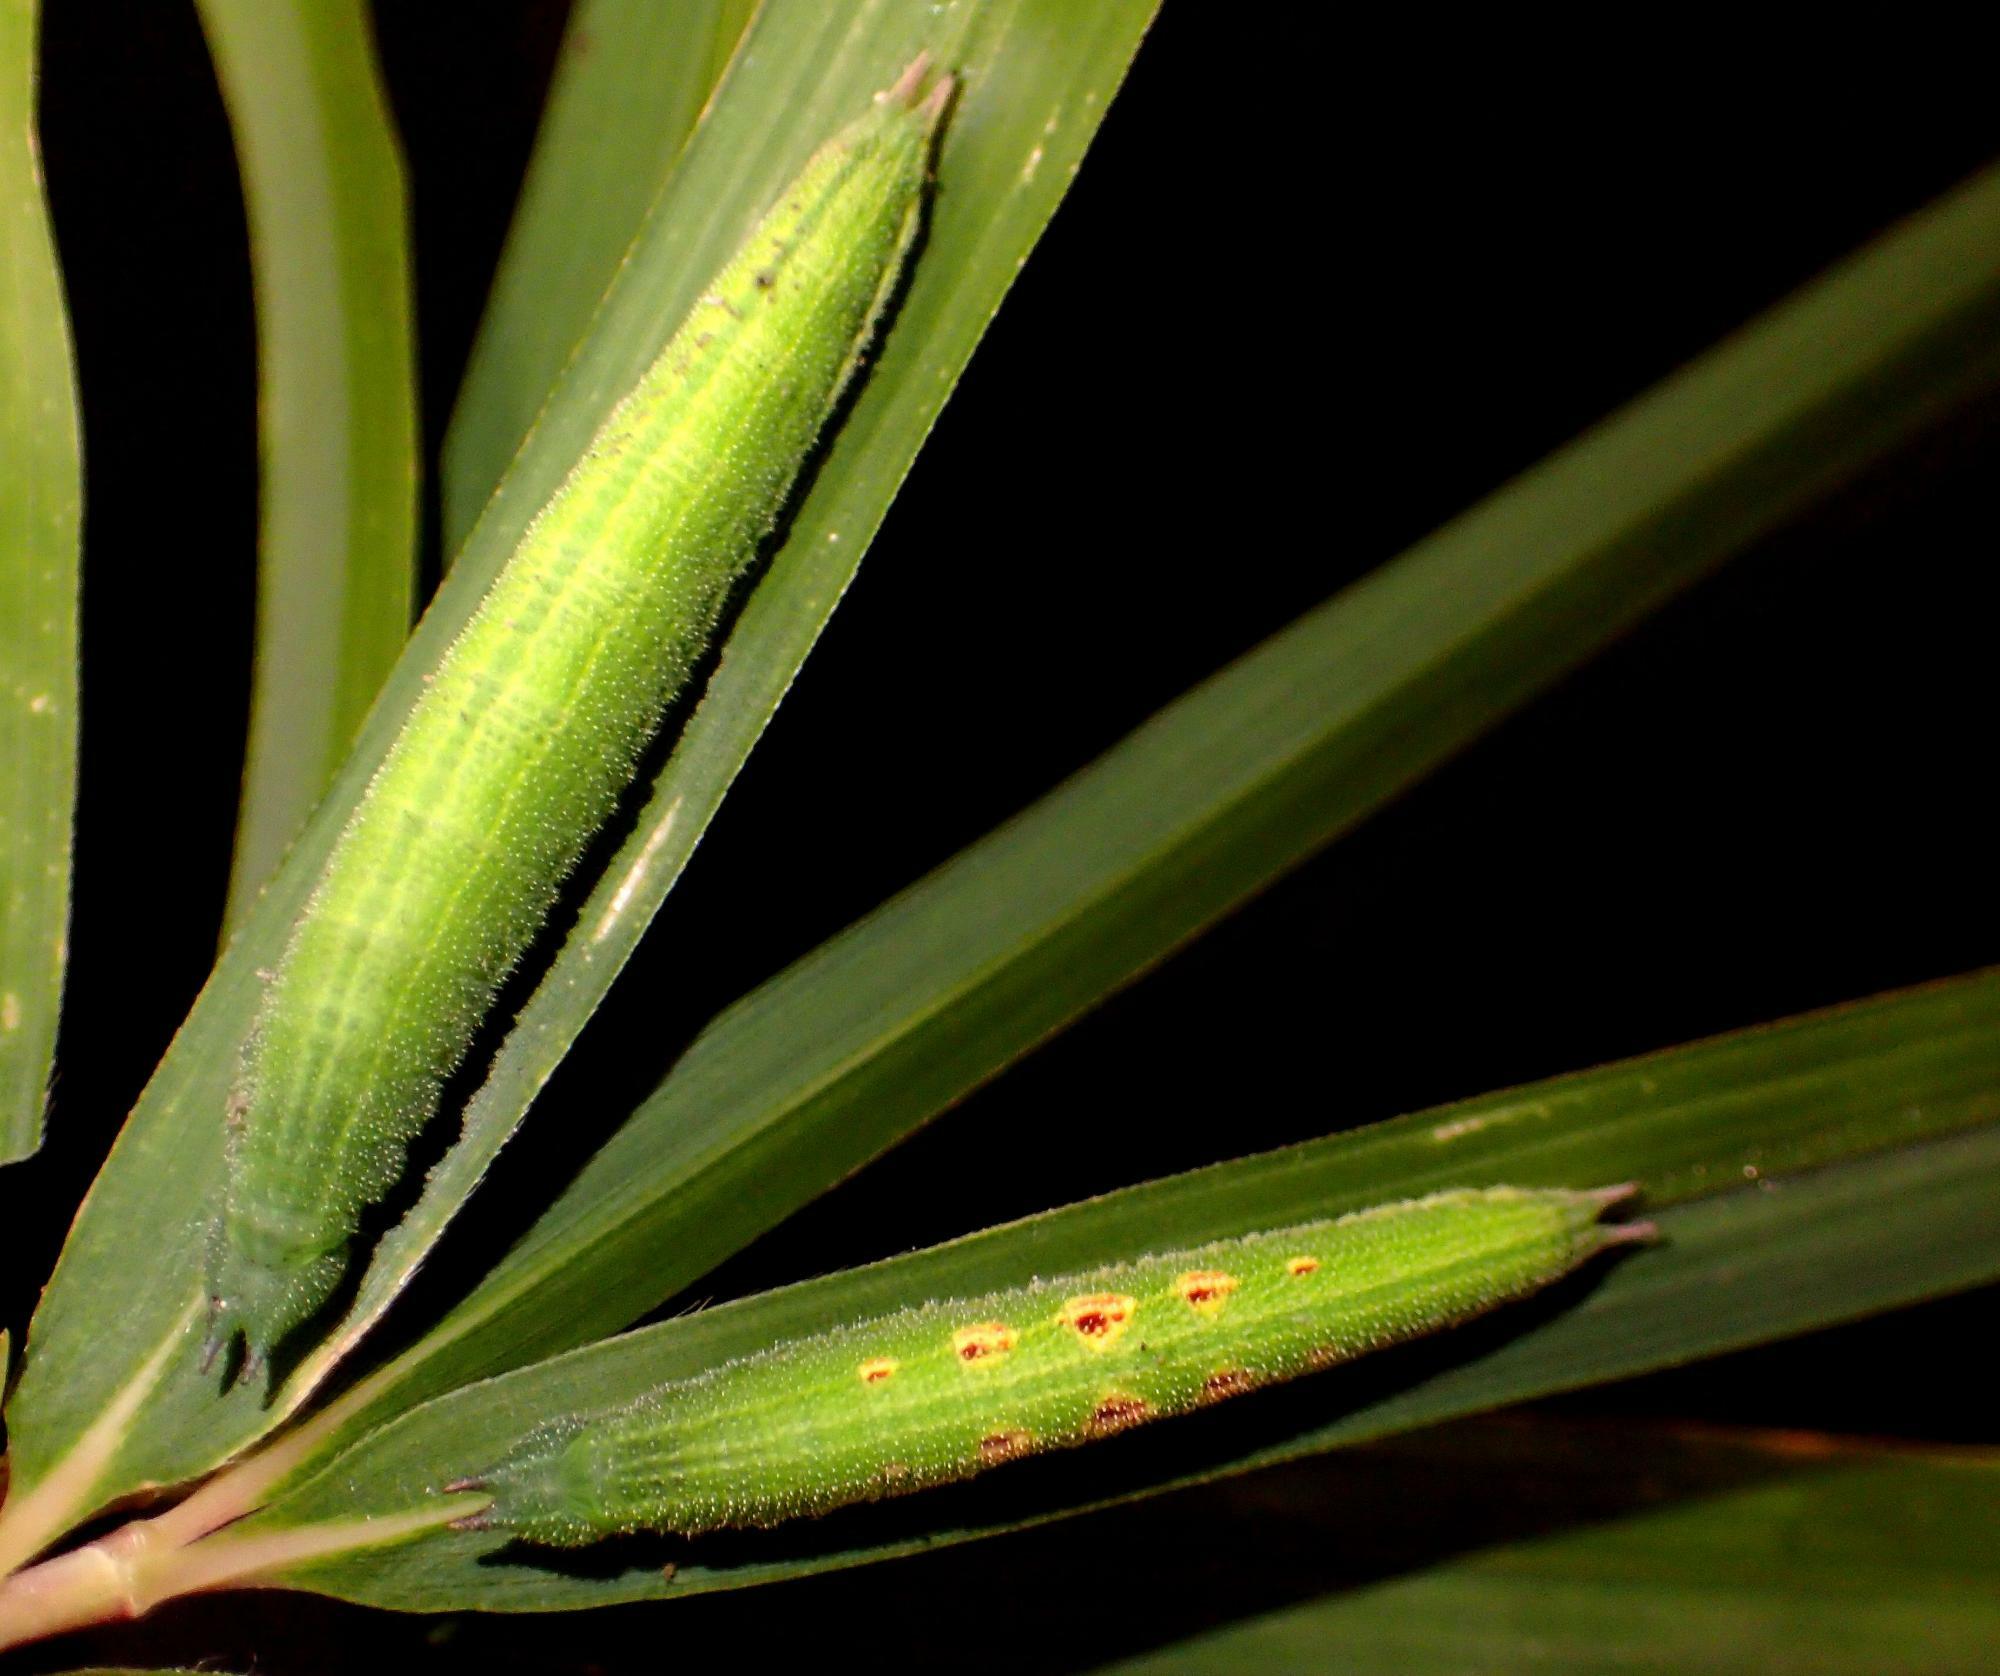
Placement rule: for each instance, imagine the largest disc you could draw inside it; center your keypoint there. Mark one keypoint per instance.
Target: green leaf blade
(853, 1047)
(1908, 351)
(1852, 1210)
(41, 492)
(1670, 1551)
(629, 87)
(323, 188)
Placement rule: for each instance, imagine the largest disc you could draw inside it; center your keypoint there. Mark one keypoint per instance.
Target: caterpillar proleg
(946, 1389)
(534, 721)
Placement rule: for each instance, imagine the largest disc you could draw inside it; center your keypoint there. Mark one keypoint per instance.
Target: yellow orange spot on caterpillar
(1301, 1265)
(984, 1342)
(1098, 1318)
(878, 1369)
(1117, 1411)
(1005, 1446)
(1230, 1382)
(1206, 1290)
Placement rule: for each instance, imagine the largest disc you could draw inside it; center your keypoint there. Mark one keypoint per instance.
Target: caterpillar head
(262, 1301)
(538, 1491)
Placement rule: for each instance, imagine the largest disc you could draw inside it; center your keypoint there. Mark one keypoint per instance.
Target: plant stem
(35, 1515)
(141, 1565)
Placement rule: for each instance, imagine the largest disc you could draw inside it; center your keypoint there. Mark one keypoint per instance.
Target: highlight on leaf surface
(943, 1390)
(534, 722)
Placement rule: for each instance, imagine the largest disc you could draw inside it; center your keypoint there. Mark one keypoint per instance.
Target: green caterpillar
(517, 751)
(947, 1389)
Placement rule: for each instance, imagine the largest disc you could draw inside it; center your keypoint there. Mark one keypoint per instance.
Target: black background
(1435, 257)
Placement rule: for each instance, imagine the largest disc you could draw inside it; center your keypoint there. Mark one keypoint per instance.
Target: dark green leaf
(1629, 1549)
(834, 1060)
(323, 188)
(1759, 1154)
(630, 84)
(40, 504)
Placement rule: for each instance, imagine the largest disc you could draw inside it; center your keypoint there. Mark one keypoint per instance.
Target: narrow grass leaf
(336, 569)
(629, 86)
(1761, 1156)
(858, 1044)
(40, 510)
(1639, 1549)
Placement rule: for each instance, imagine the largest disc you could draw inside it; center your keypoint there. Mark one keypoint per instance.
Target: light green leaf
(628, 89)
(100, 1415)
(40, 507)
(837, 1058)
(1640, 1549)
(323, 189)
(1759, 1155)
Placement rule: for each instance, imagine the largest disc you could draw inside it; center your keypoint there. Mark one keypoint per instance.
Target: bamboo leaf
(1640, 1549)
(1761, 1157)
(323, 187)
(1846, 370)
(101, 1415)
(628, 89)
(40, 509)
(837, 1058)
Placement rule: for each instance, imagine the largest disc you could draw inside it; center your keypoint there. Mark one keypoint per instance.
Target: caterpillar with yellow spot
(946, 1389)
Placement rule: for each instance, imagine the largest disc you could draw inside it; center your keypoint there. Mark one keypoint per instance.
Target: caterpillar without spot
(534, 721)
(947, 1389)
